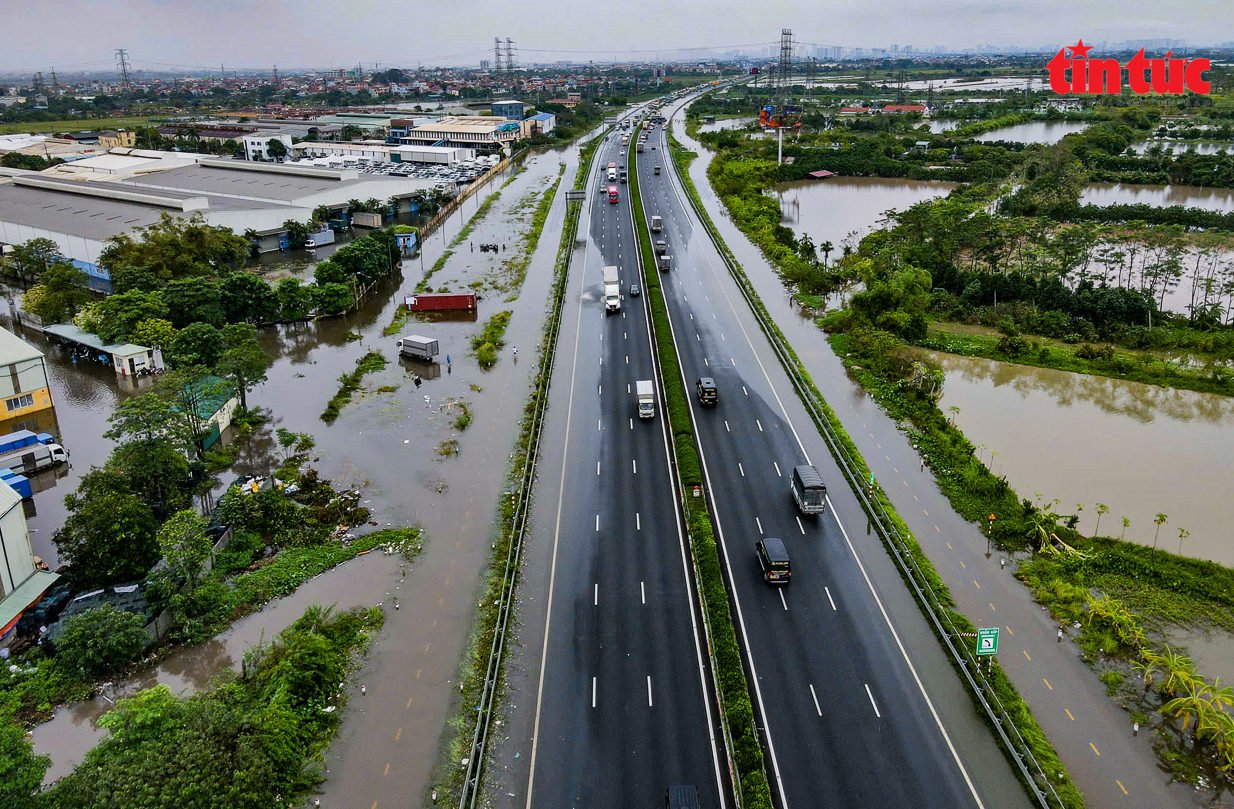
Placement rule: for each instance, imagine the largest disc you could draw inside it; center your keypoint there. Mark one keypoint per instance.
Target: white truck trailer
(646, 394)
(414, 345)
(612, 289)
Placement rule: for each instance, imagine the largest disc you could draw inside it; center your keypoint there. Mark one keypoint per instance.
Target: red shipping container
(433, 301)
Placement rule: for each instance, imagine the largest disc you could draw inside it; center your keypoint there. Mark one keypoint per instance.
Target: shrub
(101, 640)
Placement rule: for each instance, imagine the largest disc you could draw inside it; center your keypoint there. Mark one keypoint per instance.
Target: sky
(192, 36)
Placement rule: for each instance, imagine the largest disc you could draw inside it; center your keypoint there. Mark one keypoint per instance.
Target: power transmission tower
(784, 75)
(511, 59)
(498, 56)
(38, 83)
(55, 83)
(275, 80)
(126, 81)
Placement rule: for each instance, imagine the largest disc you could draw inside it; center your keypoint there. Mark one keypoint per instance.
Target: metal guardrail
(964, 659)
(470, 792)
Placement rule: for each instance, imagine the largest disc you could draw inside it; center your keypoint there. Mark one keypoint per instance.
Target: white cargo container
(422, 348)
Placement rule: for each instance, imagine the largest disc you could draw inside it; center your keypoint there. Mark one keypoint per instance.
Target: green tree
(196, 344)
(108, 536)
(1102, 508)
(1159, 520)
(173, 247)
(826, 247)
(248, 299)
(297, 232)
(158, 414)
(194, 300)
(295, 300)
(58, 295)
(157, 471)
(154, 332)
(276, 149)
(29, 260)
(21, 771)
(243, 362)
(327, 272)
(185, 545)
(101, 640)
(118, 315)
(332, 299)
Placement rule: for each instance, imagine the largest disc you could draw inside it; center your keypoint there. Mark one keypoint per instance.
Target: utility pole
(126, 81)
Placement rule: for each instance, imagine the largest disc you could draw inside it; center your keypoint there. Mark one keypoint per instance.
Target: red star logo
(1079, 50)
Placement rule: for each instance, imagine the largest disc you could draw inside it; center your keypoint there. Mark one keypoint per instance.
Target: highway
(848, 719)
(622, 707)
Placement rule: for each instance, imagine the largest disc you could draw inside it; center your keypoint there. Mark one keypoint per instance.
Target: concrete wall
(16, 557)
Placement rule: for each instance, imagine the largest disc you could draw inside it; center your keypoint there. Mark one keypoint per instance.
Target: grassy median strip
(350, 383)
(1011, 700)
(735, 706)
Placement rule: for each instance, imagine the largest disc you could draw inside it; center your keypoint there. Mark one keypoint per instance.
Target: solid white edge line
(955, 754)
(720, 531)
(552, 575)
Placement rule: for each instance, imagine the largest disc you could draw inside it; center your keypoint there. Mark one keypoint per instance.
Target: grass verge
(491, 339)
(1096, 360)
(1011, 700)
(734, 690)
(461, 725)
(350, 383)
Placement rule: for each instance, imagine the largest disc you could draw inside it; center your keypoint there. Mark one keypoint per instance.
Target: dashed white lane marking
(782, 601)
(870, 694)
(726, 428)
(743, 390)
(815, 696)
(800, 526)
(829, 598)
(741, 469)
(759, 523)
(593, 692)
(596, 595)
(638, 522)
(597, 468)
(760, 425)
(777, 466)
(597, 523)
(642, 589)
(634, 467)
(649, 703)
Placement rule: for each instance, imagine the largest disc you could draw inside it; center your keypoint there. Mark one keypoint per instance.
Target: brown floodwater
(1212, 199)
(842, 210)
(1140, 449)
(362, 582)
(1034, 132)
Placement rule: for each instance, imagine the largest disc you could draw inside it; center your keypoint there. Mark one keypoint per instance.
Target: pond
(1183, 146)
(727, 123)
(1212, 199)
(1034, 132)
(832, 209)
(1140, 449)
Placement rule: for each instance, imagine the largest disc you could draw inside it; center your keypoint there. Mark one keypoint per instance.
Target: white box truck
(612, 289)
(664, 262)
(25, 451)
(657, 224)
(319, 238)
(414, 345)
(646, 393)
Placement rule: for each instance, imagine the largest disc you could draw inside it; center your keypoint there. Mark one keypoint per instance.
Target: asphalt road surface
(848, 719)
(622, 708)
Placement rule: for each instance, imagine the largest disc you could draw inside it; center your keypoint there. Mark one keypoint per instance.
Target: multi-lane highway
(848, 721)
(622, 708)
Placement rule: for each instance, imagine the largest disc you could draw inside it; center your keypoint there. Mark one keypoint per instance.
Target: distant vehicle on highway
(681, 797)
(706, 389)
(808, 489)
(646, 393)
(773, 558)
(657, 169)
(612, 193)
(635, 290)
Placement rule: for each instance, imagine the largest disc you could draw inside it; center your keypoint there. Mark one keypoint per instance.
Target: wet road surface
(609, 704)
(1091, 734)
(828, 656)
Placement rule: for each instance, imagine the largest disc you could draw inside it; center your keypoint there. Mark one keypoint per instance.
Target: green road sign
(987, 641)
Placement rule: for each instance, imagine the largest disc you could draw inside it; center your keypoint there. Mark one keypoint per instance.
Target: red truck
(433, 301)
(612, 193)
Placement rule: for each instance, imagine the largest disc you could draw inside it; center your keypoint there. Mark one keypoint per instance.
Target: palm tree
(1160, 520)
(826, 247)
(1126, 523)
(1102, 508)
(1183, 533)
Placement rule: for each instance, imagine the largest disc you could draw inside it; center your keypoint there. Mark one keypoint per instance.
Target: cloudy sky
(188, 35)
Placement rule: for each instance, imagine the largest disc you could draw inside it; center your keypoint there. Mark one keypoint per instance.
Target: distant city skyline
(244, 34)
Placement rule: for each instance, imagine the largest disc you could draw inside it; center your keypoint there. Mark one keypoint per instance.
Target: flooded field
(726, 123)
(1212, 199)
(938, 127)
(1140, 449)
(1183, 146)
(1034, 132)
(843, 209)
